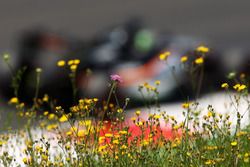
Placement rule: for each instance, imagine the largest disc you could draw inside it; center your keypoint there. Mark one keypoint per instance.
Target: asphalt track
(225, 22)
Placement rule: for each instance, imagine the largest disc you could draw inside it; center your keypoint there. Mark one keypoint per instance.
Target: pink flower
(117, 78)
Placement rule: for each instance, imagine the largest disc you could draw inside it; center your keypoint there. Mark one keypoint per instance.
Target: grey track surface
(226, 23)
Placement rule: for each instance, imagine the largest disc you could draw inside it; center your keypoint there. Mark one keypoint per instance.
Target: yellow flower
(101, 139)
(115, 141)
(157, 82)
(108, 135)
(138, 112)
(202, 49)
(73, 67)
(69, 133)
(51, 116)
(14, 100)
(185, 105)
(184, 59)
(70, 62)
(242, 87)
(45, 113)
(52, 126)
(225, 85)
(239, 87)
(27, 161)
(123, 132)
(199, 60)
(63, 118)
(157, 116)
(164, 56)
(81, 133)
(46, 98)
(119, 110)
(76, 61)
(61, 63)
(234, 143)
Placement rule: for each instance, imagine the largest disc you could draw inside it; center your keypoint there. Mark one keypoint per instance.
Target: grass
(73, 137)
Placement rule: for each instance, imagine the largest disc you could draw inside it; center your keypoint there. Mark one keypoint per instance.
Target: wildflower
(239, 87)
(69, 133)
(184, 59)
(140, 123)
(115, 142)
(27, 161)
(138, 112)
(73, 67)
(119, 110)
(51, 116)
(234, 143)
(52, 126)
(63, 118)
(124, 147)
(209, 162)
(108, 135)
(185, 105)
(133, 119)
(46, 98)
(157, 82)
(81, 133)
(117, 78)
(157, 116)
(199, 60)
(38, 70)
(123, 132)
(242, 87)
(70, 62)
(76, 61)
(224, 85)
(61, 63)
(14, 100)
(45, 113)
(6, 57)
(202, 49)
(164, 56)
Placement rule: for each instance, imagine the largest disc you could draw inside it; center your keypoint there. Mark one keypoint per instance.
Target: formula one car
(130, 50)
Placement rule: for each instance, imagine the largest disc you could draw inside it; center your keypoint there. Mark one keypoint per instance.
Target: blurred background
(39, 33)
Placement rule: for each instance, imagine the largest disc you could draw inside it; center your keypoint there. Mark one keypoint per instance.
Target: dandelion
(224, 85)
(157, 82)
(51, 116)
(73, 67)
(199, 60)
(117, 78)
(76, 61)
(108, 135)
(242, 87)
(70, 62)
(202, 49)
(234, 143)
(81, 133)
(63, 118)
(61, 63)
(123, 132)
(13, 100)
(164, 56)
(138, 112)
(239, 87)
(184, 59)
(185, 105)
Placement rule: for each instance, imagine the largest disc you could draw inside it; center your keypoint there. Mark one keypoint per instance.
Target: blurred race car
(130, 50)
